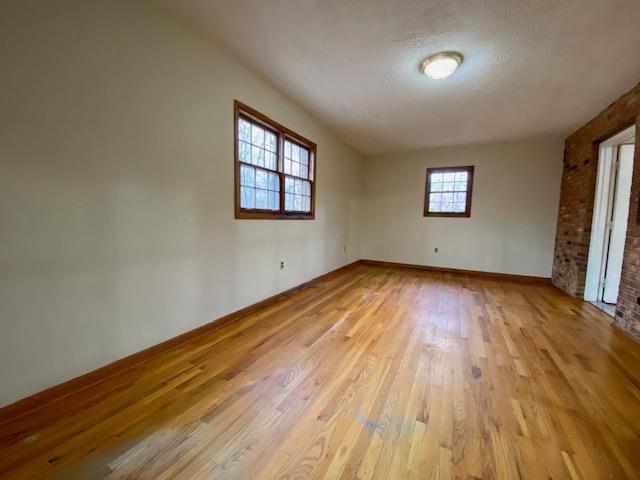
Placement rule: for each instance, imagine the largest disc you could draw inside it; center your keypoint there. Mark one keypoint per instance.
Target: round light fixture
(441, 65)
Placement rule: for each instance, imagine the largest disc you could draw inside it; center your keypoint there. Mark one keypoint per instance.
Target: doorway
(610, 216)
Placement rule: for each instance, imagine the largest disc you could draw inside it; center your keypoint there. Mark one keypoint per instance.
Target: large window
(448, 192)
(275, 169)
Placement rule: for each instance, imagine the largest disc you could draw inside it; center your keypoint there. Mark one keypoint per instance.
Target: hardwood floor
(374, 372)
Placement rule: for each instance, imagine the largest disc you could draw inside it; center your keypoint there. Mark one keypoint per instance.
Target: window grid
(259, 188)
(257, 145)
(297, 187)
(448, 192)
(274, 169)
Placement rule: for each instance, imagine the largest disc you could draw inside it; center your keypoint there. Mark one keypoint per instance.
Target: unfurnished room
(319, 239)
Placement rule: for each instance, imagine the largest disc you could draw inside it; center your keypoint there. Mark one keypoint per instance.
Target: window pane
(274, 201)
(436, 177)
(461, 186)
(459, 207)
(304, 156)
(447, 187)
(247, 175)
(270, 141)
(461, 176)
(295, 168)
(289, 184)
(257, 156)
(247, 199)
(297, 195)
(274, 182)
(447, 202)
(435, 198)
(434, 207)
(460, 197)
(270, 160)
(295, 152)
(244, 130)
(287, 149)
(304, 171)
(287, 165)
(436, 187)
(257, 135)
(244, 152)
(261, 179)
(261, 199)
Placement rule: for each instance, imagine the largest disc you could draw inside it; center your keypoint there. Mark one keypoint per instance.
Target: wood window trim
(282, 132)
(467, 212)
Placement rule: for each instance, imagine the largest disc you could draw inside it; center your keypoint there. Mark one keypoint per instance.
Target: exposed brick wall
(576, 209)
(629, 298)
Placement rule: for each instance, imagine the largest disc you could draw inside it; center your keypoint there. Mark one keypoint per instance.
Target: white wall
(513, 216)
(116, 192)
(116, 189)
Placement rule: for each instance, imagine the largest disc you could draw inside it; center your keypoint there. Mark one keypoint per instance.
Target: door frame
(601, 225)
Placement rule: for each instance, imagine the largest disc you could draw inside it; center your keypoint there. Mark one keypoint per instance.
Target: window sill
(447, 214)
(252, 215)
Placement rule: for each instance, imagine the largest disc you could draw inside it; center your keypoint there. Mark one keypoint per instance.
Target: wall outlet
(345, 249)
(435, 250)
(281, 264)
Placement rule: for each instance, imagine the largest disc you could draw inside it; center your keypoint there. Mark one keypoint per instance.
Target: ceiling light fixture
(441, 65)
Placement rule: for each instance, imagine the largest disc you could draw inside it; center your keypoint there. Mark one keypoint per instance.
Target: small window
(275, 169)
(448, 192)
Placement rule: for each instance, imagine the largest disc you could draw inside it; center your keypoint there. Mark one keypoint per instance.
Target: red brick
(576, 209)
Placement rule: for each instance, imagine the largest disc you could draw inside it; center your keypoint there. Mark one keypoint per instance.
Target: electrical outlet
(345, 249)
(281, 264)
(435, 250)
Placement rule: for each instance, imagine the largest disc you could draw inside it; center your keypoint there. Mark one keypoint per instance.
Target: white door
(619, 218)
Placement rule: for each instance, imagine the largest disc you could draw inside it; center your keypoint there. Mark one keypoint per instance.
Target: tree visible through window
(448, 192)
(274, 169)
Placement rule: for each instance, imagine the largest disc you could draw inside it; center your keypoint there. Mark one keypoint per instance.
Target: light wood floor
(371, 373)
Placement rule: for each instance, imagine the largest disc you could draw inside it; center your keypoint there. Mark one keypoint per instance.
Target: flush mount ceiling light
(441, 65)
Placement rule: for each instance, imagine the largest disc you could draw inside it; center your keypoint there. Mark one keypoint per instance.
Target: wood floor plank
(377, 372)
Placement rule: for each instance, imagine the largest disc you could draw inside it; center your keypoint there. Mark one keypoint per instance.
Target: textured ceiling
(533, 68)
